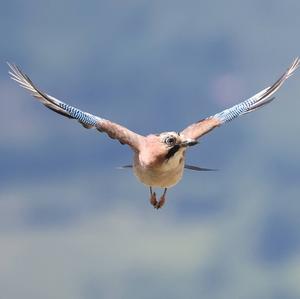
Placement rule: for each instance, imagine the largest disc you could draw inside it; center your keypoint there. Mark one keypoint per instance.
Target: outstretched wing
(88, 120)
(259, 100)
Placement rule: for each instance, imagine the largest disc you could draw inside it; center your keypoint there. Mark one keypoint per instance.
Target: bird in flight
(159, 159)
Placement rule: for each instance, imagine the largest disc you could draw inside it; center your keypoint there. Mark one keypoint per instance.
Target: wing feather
(259, 100)
(88, 120)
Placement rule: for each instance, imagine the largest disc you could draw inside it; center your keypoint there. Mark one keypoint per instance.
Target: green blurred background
(73, 226)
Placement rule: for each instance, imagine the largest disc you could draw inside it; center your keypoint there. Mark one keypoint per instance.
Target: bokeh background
(73, 226)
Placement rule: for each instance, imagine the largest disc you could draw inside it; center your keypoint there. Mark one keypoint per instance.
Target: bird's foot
(160, 203)
(153, 200)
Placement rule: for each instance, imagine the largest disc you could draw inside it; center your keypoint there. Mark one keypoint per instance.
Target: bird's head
(166, 146)
(174, 142)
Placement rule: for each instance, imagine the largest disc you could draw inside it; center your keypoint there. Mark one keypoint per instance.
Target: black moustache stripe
(172, 151)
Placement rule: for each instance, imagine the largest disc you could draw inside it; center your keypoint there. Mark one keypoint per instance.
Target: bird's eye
(170, 141)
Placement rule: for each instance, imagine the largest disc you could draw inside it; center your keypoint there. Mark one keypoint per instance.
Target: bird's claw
(160, 203)
(153, 200)
(157, 204)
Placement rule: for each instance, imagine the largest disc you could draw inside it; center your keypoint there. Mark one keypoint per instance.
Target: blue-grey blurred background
(73, 226)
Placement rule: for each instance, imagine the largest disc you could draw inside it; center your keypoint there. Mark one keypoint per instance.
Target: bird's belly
(162, 177)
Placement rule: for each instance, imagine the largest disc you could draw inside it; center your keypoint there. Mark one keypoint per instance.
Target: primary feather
(86, 119)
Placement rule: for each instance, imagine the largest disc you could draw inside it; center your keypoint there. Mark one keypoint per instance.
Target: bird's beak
(189, 142)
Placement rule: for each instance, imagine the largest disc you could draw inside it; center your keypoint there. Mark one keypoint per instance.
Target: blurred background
(73, 226)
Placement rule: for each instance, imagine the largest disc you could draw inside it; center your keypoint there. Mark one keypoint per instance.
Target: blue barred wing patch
(82, 117)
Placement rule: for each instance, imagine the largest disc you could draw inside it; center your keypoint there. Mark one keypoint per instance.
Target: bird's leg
(153, 200)
(161, 200)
